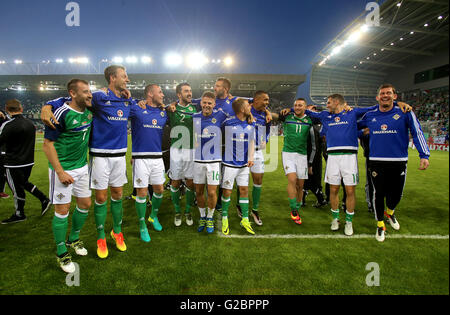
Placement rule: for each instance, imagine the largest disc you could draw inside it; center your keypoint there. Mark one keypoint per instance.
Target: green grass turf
(182, 261)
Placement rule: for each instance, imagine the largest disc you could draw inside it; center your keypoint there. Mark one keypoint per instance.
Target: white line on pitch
(329, 236)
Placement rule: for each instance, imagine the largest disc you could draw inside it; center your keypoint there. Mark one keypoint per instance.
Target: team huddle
(216, 141)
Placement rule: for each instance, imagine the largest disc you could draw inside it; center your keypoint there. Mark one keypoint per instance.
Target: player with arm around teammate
(237, 161)
(388, 154)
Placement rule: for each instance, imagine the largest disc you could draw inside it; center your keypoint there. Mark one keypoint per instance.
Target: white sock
(210, 213)
(202, 212)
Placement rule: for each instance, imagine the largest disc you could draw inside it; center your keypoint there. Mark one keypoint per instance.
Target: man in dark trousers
(314, 181)
(18, 135)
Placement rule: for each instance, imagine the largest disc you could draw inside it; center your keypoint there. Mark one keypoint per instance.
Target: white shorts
(343, 166)
(61, 194)
(148, 172)
(207, 173)
(230, 174)
(258, 167)
(181, 164)
(108, 171)
(295, 163)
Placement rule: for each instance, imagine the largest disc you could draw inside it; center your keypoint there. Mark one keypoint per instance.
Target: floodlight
(117, 59)
(59, 60)
(196, 60)
(337, 50)
(146, 60)
(354, 37)
(173, 59)
(228, 61)
(131, 59)
(18, 61)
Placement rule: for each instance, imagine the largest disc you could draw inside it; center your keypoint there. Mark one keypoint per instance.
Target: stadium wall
(403, 80)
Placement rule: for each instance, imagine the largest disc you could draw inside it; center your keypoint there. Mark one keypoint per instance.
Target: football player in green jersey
(182, 152)
(297, 128)
(66, 150)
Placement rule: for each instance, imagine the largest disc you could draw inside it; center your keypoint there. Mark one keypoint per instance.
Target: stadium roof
(358, 59)
(240, 82)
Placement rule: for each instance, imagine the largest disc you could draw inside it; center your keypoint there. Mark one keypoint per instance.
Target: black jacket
(18, 136)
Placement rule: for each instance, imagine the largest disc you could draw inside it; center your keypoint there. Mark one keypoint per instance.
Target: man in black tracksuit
(18, 135)
(314, 181)
(2, 158)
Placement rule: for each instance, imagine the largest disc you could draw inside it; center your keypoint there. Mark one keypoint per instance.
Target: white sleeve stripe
(4, 124)
(420, 135)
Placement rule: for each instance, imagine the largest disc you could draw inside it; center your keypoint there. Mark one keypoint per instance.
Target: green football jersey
(183, 117)
(71, 137)
(296, 133)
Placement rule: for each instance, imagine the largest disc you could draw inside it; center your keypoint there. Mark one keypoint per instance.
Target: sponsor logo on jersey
(154, 122)
(120, 113)
(205, 131)
(242, 135)
(384, 127)
(337, 119)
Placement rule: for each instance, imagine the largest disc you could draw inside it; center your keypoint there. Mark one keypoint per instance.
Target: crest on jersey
(162, 114)
(384, 127)
(154, 122)
(396, 117)
(120, 113)
(213, 120)
(90, 117)
(126, 103)
(374, 174)
(337, 119)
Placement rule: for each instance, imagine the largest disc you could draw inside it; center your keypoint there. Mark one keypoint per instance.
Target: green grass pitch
(183, 261)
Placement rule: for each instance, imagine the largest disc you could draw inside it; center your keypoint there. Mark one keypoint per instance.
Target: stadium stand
(34, 90)
(361, 58)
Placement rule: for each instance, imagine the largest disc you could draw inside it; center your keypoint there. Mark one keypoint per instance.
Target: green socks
(156, 203)
(335, 213)
(175, 195)
(79, 216)
(225, 206)
(243, 202)
(256, 196)
(59, 226)
(141, 207)
(349, 216)
(293, 204)
(100, 219)
(117, 214)
(190, 197)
